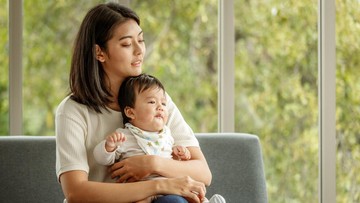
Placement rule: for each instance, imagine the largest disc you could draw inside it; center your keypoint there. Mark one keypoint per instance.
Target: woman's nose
(139, 49)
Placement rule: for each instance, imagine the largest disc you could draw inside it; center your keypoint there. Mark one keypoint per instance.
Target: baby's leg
(205, 200)
(147, 200)
(170, 198)
(215, 199)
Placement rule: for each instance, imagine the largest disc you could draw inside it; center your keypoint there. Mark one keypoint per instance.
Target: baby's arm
(114, 140)
(104, 152)
(181, 153)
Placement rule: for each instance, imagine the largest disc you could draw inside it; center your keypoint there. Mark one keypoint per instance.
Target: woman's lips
(136, 63)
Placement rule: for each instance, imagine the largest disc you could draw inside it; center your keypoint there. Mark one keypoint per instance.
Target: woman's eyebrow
(129, 36)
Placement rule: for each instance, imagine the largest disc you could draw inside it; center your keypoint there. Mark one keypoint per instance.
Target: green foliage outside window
(348, 100)
(181, 43)
(277, 92)
(49, 30)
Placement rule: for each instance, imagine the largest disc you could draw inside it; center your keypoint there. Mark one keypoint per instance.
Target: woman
(109, 47)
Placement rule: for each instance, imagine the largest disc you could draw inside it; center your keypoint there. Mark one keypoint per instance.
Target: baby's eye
(164, 104)
(151, 102)
(126, 45)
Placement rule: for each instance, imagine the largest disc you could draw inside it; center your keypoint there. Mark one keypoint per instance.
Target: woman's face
(125, 52)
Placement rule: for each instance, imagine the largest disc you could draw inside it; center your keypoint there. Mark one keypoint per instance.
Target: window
(49, 28)
(276, 91)
(347, 101)
(178, 50)
(181, 43)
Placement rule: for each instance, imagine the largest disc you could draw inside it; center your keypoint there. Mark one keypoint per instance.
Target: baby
(142, 101)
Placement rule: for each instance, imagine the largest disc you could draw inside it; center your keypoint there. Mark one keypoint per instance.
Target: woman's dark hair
(132, 86)
(87, 76)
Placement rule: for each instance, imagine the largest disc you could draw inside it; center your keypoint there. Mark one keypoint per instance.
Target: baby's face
(150, 110)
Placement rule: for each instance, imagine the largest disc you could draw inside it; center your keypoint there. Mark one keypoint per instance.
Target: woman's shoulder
(170, 104)
(122, 129)
(68, 105)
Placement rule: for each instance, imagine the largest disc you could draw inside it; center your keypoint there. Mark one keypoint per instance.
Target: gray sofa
(27, 168)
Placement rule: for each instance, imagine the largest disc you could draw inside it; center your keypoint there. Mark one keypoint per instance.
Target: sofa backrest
(235, 160)
(27, 168)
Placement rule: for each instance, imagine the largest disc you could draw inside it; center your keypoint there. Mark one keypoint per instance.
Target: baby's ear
(129, 112)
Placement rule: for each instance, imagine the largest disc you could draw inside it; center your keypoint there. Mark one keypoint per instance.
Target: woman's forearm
(197, 167)
(77, 188)
(138, 168)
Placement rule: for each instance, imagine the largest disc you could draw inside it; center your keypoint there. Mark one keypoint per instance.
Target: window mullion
(226, 102)
(327, 102)
(15, 67)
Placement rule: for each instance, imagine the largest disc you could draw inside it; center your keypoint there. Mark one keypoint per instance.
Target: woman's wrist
(156, 164)
(160, 186)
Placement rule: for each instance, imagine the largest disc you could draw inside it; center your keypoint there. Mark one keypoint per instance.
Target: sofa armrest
(235, 160)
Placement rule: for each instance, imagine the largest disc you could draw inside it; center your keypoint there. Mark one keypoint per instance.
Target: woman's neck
(114, 89)
(114, 106)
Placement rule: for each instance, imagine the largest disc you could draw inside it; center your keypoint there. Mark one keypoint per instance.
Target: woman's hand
(133, 169)
(193, 191)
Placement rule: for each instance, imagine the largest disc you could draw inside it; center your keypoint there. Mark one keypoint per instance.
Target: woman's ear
(99, 54)
(129, 112)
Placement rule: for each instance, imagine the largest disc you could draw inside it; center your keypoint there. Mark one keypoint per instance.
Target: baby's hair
(132, 86)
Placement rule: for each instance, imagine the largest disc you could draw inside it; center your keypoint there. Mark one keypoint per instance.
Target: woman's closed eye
(130, 44)
(126, 45)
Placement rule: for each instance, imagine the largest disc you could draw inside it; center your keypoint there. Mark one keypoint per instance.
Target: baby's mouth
(159, 116)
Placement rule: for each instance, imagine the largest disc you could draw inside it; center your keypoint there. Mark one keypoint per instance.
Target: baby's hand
(114, 140)
(181, 152)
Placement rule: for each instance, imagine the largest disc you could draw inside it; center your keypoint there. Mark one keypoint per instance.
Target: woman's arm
(77, 188)
(139, 167)
(196, 167)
